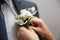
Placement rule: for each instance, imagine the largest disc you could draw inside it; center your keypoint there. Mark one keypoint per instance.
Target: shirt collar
(9, 2)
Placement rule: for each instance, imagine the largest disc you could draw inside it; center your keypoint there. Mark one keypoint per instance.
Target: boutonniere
(25, 16)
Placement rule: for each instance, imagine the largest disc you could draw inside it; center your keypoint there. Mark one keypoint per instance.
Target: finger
(25, 33)
(38, 22)
(30, 29)
(23, 30)
(38, 30)
(19, 36)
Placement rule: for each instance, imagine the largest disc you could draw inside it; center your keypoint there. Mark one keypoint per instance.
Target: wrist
(49, 36)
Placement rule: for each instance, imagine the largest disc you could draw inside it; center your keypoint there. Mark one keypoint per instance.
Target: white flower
(20, 22)
(25, 14)
(31, 9)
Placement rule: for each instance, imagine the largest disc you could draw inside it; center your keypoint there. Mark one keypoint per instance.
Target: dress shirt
(9, 13)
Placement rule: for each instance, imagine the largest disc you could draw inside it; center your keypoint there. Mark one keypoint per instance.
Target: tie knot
(2, 1)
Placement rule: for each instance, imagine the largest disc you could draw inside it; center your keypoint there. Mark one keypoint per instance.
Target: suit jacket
(19, 5)
(3, 33)
(22, 4)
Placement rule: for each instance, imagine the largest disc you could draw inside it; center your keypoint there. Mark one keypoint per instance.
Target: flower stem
(27, 24)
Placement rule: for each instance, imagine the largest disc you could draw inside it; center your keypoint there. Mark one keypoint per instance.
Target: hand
(41, 28)
(27, 34)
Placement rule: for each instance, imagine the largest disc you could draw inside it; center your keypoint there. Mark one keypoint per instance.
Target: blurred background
(49, 11)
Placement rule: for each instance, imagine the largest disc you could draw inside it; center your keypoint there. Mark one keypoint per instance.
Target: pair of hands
(37, 26)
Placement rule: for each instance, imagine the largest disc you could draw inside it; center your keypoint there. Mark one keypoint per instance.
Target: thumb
(38, 30)
(30, 28)
(23, 29)
(36, 21)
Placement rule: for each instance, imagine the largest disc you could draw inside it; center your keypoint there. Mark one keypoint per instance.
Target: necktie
(3, 33)
(16, 6)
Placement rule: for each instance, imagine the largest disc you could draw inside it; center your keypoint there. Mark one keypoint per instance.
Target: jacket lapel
(22, 4)
(3, 33)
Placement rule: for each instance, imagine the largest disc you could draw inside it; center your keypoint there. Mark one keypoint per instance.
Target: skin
(38, 26)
